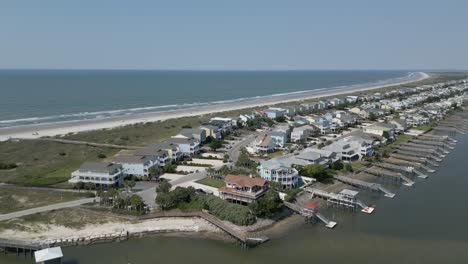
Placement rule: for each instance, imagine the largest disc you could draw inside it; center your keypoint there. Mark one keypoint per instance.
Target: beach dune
(62, 128)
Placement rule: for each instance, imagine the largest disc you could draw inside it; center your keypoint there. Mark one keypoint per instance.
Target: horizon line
(226, 70)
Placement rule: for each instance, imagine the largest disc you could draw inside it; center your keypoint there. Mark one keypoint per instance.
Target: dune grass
(17, 199)
(212, 182)
(42, 163)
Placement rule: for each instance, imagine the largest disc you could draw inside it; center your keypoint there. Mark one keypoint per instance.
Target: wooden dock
(19, 248)
(243, 237)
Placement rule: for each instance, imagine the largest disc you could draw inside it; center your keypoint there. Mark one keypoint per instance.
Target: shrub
(316, 171)
(237, 214)
(337, 165)
(268, 205)
(291, 195)
(348, 167)
(8, 166)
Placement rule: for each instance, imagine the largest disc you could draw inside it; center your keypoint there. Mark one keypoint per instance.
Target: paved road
(234, 152)
(146, 191)
(45, 208)
(188, 178)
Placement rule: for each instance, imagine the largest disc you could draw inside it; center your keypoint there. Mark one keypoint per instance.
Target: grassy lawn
(139, 134)
(400, 139)
(42, 163)
(275, 154)
(425, 127)
(70, 217)
(359, 165)
(212, 182)
(16, 199)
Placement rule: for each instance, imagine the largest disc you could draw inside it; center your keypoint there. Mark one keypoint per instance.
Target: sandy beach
(53, 232)
(62, 128)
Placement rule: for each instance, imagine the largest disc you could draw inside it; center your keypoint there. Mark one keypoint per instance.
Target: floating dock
(311, 213)
(345, 198)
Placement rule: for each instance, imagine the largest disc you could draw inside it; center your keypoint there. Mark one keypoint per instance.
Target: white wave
(171, 107)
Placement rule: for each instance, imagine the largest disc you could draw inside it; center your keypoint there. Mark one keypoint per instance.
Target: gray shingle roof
(99, 167)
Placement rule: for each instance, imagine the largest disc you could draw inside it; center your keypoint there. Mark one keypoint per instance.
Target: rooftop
(99, 166)
(48, 254)
(349, 192)
(244, 180)
(131, 159)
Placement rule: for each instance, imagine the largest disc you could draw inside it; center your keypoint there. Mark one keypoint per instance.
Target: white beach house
(272, 170)
(99, 173)
(136, 165)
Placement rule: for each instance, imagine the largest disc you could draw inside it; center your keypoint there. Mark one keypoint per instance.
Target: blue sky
(226, 35)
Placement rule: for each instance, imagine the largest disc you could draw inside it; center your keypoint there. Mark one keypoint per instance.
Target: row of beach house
(305, 122)
(355, 145)
(138, 164)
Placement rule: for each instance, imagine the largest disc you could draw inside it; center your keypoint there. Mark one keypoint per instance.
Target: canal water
(427, 223)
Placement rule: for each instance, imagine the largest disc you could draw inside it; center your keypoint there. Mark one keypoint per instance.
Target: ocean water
(47, 96)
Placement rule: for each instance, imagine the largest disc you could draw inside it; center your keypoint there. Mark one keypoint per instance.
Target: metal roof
(48, 254)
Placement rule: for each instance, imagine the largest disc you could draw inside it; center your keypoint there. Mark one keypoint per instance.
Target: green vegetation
(268, 205)
(16, 199)
(291, 195)
(225, 170)
(317, 171)
(139, 134)
(259, 122)
(372, 117)
(40, 162)
(216, 144)
(122, 202)
(337, 165)
(130, 204)
(8, 166)
(212, 182)
(359, 165)
(244, 161)
(188, 199)
(163, 187)
(234, 213)
(129, 184)
(425, 127)
(399, 139)
(280, 119)
(348, 167)
(69, 217)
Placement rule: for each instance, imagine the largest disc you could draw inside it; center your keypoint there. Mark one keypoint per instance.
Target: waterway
(426, 224)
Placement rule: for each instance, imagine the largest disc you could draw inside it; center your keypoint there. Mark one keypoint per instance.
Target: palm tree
(211, 171)
(129, 184)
